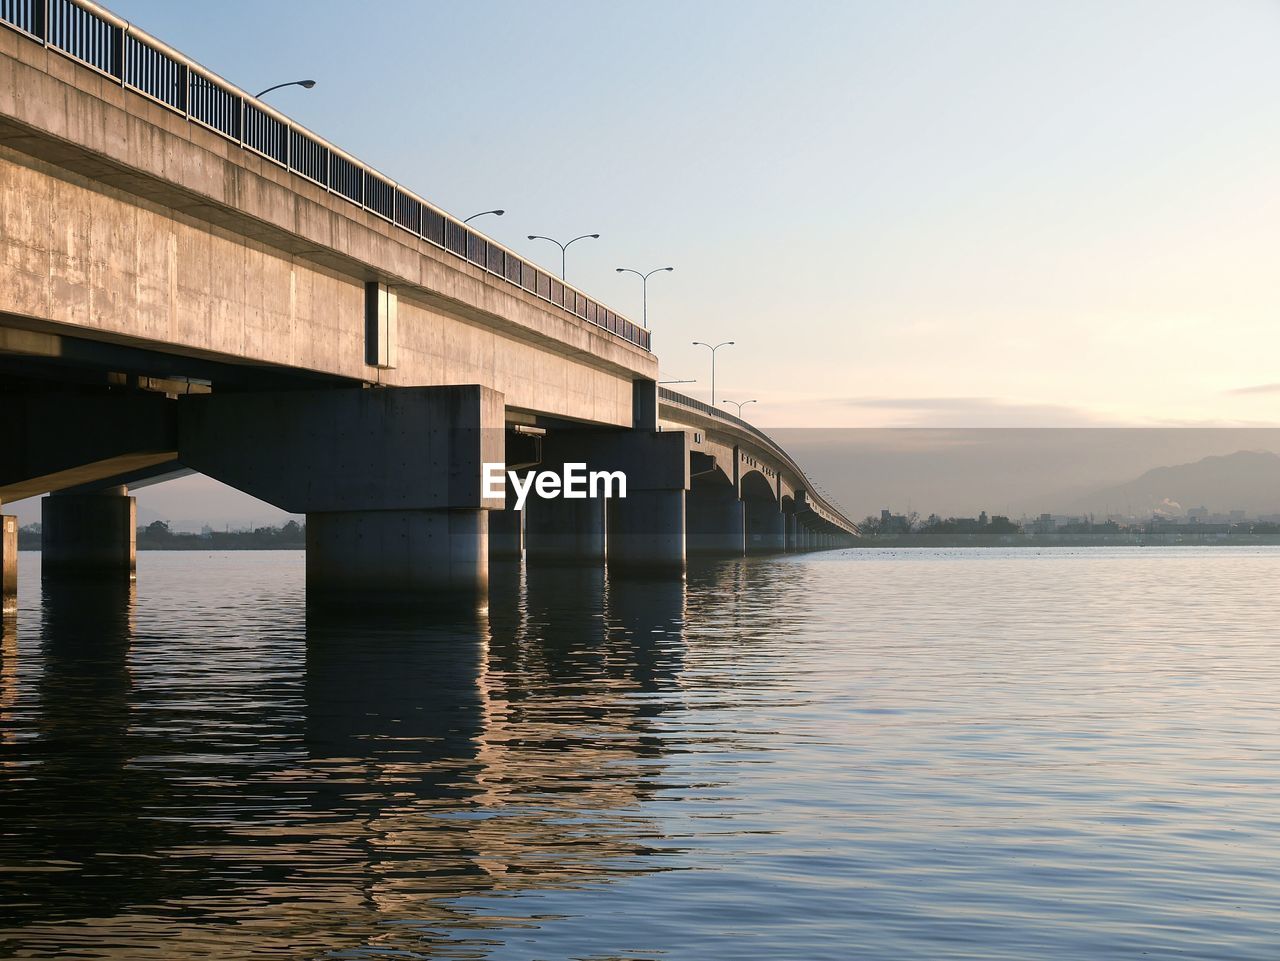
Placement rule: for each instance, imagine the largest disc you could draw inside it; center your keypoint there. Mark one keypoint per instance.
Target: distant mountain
(1246, 480)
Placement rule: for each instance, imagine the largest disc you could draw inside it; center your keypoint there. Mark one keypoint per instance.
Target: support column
(642, 530)
(400, 557)
(790, 531)
(563, 531)
(716, 521)
(506, 532)
(766, 527)
(92, 533)
(647, 530)
(390, 480)
(8, 563)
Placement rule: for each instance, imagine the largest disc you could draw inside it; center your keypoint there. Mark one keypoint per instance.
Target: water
(884, 755)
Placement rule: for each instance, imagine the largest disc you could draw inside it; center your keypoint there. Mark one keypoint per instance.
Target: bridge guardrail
(100, 40)
(684, 400)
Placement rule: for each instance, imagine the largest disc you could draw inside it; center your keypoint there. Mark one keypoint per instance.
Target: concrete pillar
(89, 533)
(790, 530)
(648, 521)
(8, 563)
(766, 527)
(427, 557)
(506, 532)
(561, 531)
(390, 480)
(646, 531)
(716, 520)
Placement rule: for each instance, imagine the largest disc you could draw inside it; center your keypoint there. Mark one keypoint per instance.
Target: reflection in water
(918, 755)
(329, 783)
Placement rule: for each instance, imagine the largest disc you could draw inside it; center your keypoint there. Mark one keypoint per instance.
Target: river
(968, 754)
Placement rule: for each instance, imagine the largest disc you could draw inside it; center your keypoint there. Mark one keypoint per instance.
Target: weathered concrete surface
(122, 221)
(89, 534)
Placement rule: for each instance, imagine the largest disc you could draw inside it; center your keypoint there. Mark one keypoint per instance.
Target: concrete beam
(349, 449)
(57, 440)
(390, 480)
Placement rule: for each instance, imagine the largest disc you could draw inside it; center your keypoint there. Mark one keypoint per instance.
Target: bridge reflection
(323, 775)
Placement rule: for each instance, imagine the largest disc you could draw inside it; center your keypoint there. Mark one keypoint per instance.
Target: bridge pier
(506, 532)
(766, 527)
(647, 531)
(401, 557)
(8, 563)
(565, 531)
(390, 480)
(89, 533)
(790, 531)
(716, 519)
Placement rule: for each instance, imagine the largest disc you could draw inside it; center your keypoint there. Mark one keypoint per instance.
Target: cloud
(1256, 389)
(975, 412)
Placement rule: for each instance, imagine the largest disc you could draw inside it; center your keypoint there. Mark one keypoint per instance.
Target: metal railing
(684, 400)
(100, 40)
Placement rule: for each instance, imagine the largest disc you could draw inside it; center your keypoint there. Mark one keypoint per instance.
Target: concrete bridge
(191, 281)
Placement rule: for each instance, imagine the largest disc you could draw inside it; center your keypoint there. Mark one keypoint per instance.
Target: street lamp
(305, 84)
(563, 247)
(740, 404)
(496, 213)
(723, 343)
(644, 288)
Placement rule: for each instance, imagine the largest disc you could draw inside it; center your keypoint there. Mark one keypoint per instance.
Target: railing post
(40, 14)
(121, 53)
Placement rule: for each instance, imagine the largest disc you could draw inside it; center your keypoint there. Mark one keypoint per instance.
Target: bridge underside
(390, 481)
(172, 301)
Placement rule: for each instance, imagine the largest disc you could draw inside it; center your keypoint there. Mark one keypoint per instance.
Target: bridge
(190, 281)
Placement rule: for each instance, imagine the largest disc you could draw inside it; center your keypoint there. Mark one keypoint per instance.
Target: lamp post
(723, 343)
(740, 404)
(563, 247)
(644, 288)
(305, 84)
(496, 213)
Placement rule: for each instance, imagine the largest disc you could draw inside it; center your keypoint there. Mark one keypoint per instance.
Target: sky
(981, 213)
(932, 213)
